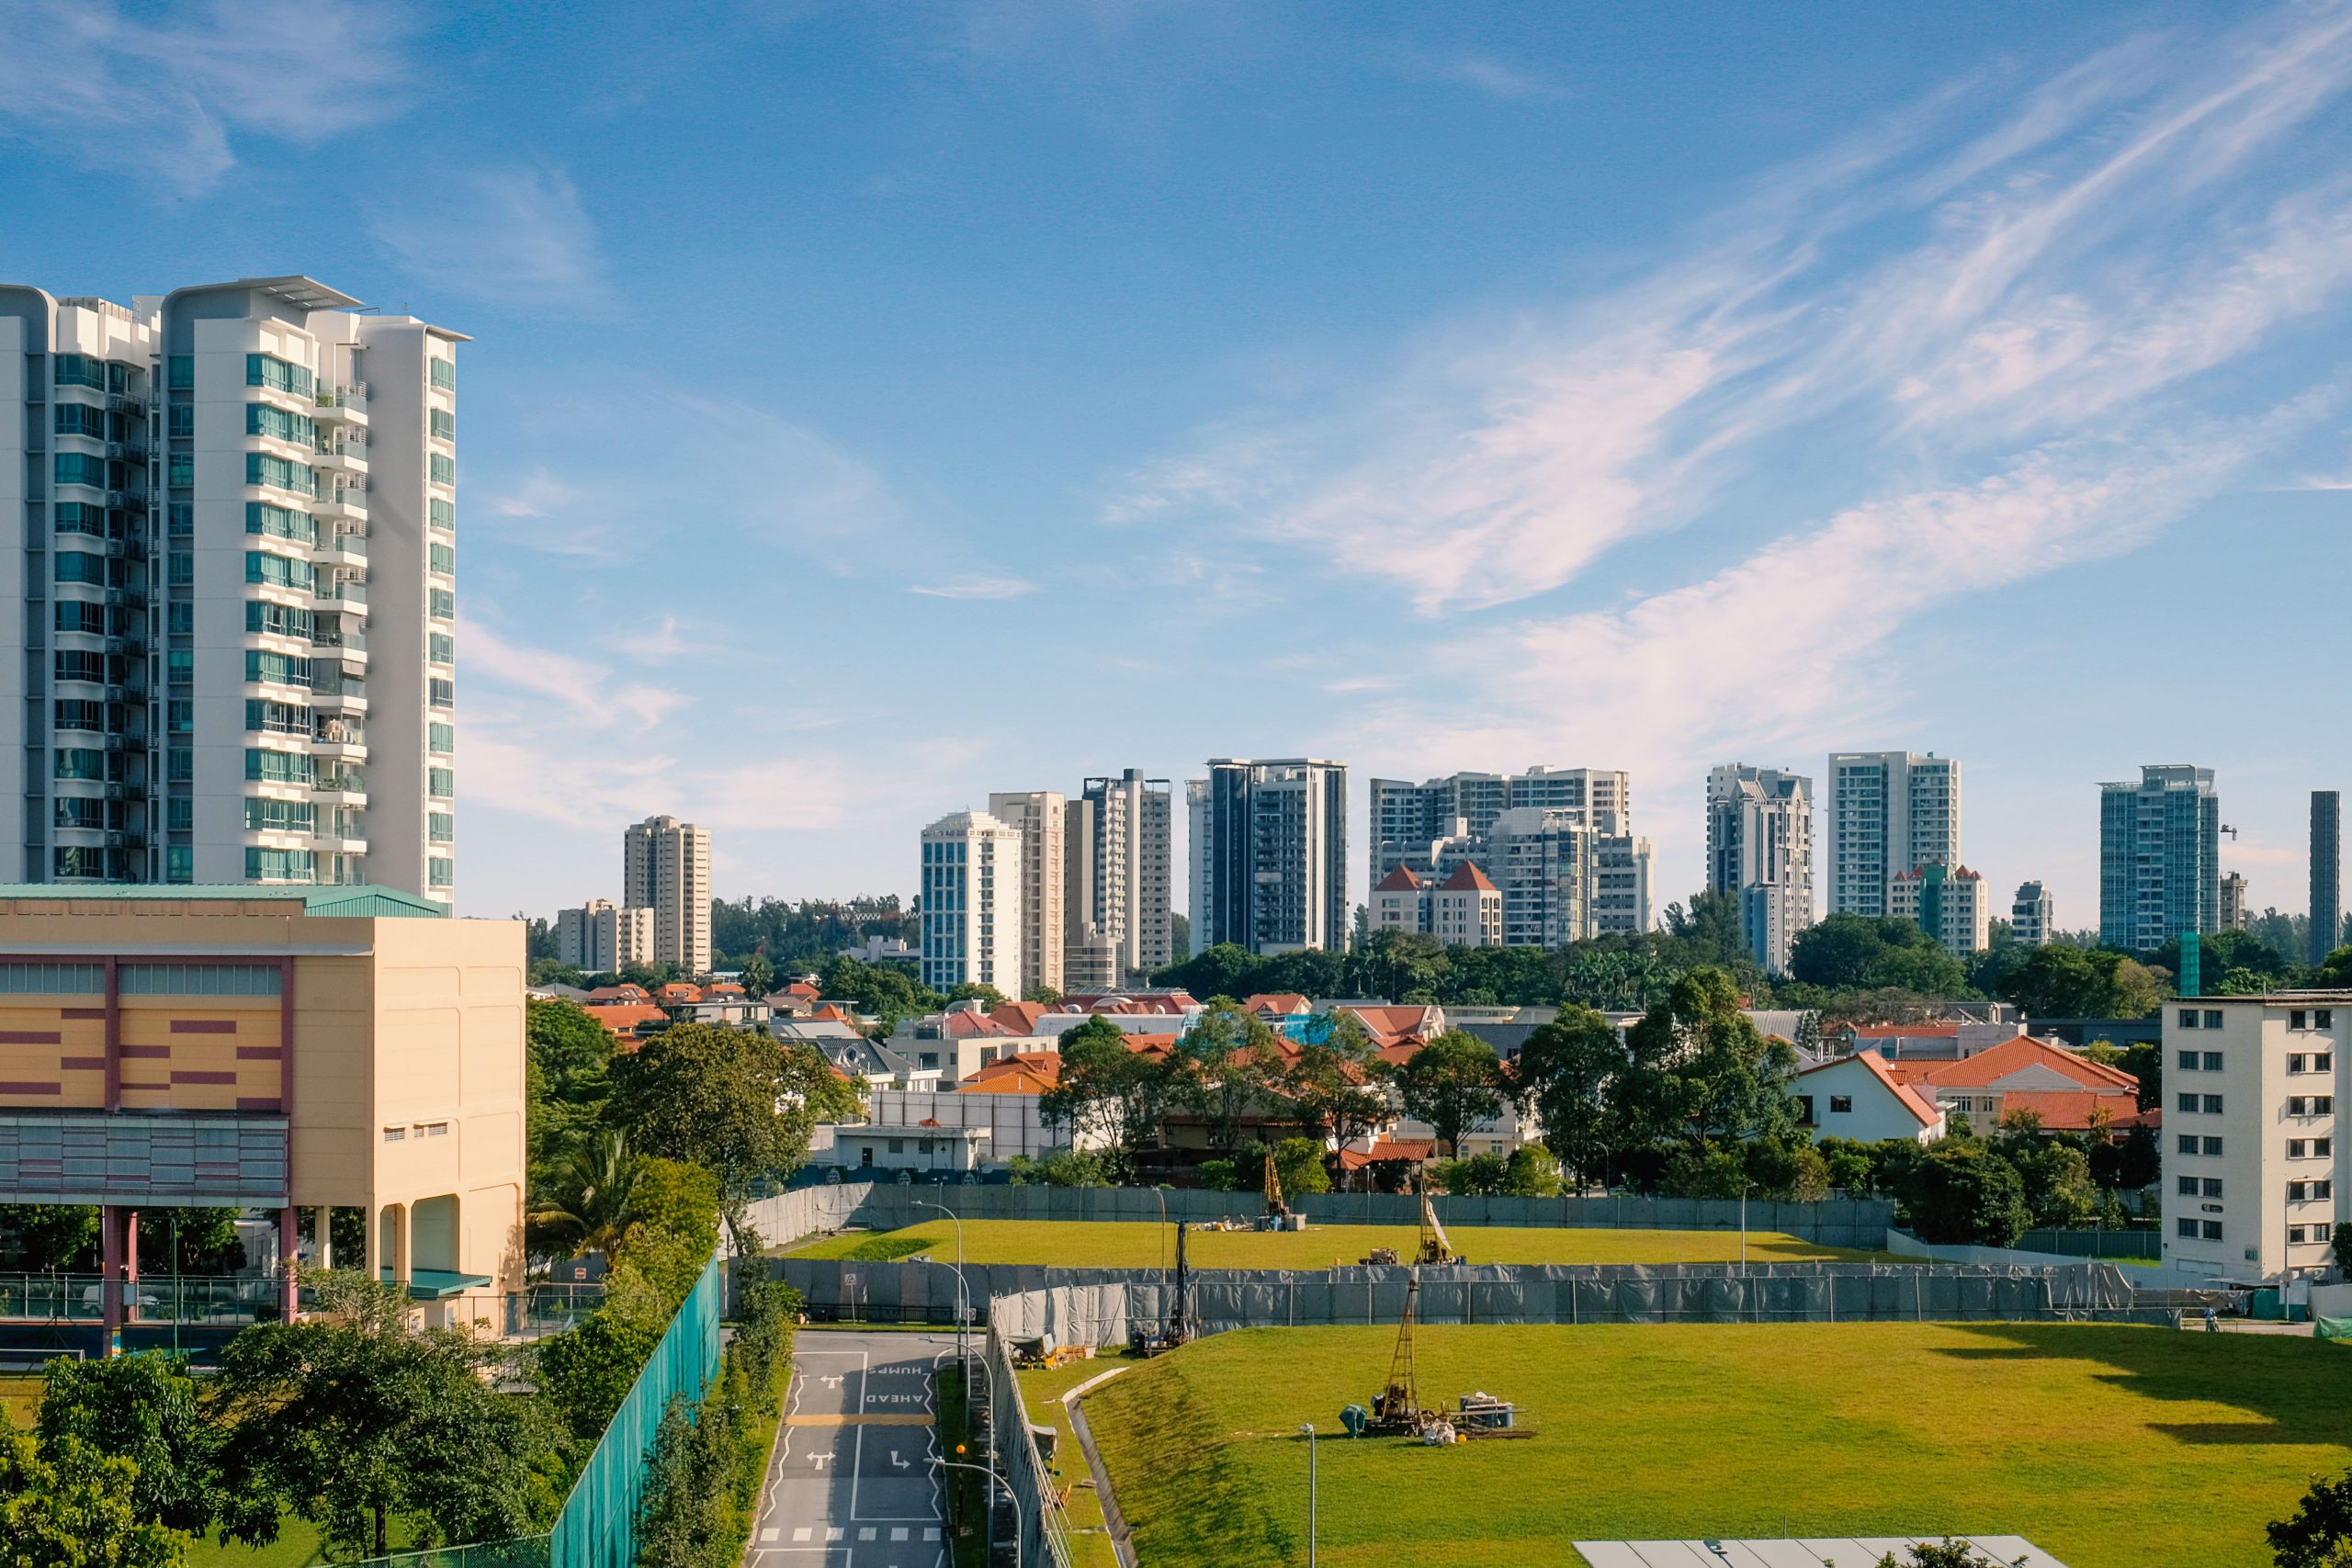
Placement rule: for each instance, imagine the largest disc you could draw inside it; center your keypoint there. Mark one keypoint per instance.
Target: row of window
(443, 513)
(441, 693)
(88, 468)
(79, 566)
(281, 424)
(91, 620)
(440, 739)
(78, 712)
(86, 370)
(2297, 1018)
(2209, 1104)
(83, 419)
(76, 664)
(440, 828)
(440, 647)
(441, 558)
(442, 469)
(277, 571)
(2310, 1191)
(268, 370)
(443, 374)
(2192, 1230)
(2311, 1148)
(2311, 1105)
(441, 784)
(81, 517)
(280, 865)
(276, 718)
(441, 605)
(2310, 1061)
(280, 522)
(2191, 1144)
(281, 815)
(265, 766)
(2194, 1061)
(444, 425)
(440, 874)
(280, 668)
(279, 473)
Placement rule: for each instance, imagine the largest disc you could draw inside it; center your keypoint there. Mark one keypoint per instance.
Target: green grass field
(2109, 1447)
(1124, 1245)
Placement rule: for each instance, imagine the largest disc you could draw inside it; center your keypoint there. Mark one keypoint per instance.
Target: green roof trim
(360, 899)
(439, 1284)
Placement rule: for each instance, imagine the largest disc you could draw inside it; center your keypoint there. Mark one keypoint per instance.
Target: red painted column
(288, 1240)
(130, 1265)
(109, 1272)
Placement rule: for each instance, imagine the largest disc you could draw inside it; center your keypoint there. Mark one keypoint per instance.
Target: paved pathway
(852, 1484)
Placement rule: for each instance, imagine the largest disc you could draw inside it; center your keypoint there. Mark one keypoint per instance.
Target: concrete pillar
(373, 1240)
(398, 1212)
(323, 1218)
(109, 1276)
(289, 1264)
(130, 1265)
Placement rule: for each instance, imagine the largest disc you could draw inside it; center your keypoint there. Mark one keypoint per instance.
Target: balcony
(340, 458)
(344, 501)
(339, 590)
(347, 403)
(341, 786)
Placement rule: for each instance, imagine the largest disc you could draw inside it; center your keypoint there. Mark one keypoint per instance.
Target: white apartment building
(1275, 835)
(1436, 824)
(665, 867)
(602, 939)
(2032, 915)
(2251, 1157)
(1619, 900)
(1042, 819)
(1889, 811)
(1759, 850)
(1131, 851)
(228, 549)
(2159, 857)
(1948, 903)
(1196, 862)
(1463, 910)
(971, 902)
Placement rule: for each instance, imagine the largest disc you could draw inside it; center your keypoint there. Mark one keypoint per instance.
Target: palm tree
(586, 1205)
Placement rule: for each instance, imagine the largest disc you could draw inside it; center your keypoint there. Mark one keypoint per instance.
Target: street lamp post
(963, 1300)
(1308, 1430)
(995, 1480)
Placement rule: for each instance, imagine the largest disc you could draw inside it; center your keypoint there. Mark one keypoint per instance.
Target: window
(2295, 1060)
(179, 372)
(280, 865)
(180, 716)
(278, 668)
(394, 1136)
(442, 693)
(2323, 1019)
(280, 473)
(71, 861)
(2298, 1191)
(2294, 1235)
(276, 718)
(441, 784)
(444, 514)
(2213, 1105)
(77, 811)
(435, 1129)
(443, 468)
(279, 523)
(2214, 1147)
(443, 559)
(276, 620)
(179, 863)
(2323, 1148)
(183, 620)
(444, 425)
(2213, 1018)
(179, 814)
(441, 647)
(440, 827)
(2187, 1229)
(2323, 1062)
(2298, 1105)
(2188, 1186)
(2188, 1018)
(445, 375)
(75, 566)
(441, 605)
(1841, 1103)
(73, 664)
(81, 517)
(1804, 1104)
(81, 370)
(179, 766)
(2188, 1061)
(75, 615)
(276, 570)
(80, 468)
(897, 1146)
(2213, 1061)
(2189, 1103)
(264, 766)
(2323, 1105)
(82, 419)
(2298, 1148)
(2298, 1018)
(2213, 1187)
(179, 568)
(80, 762)
(268, 370)
(440, 739)
(439, 873)
(281, 815)
(72, 713)
(2324, 1188)
(179, 469)
(2212, 1230)
(2189, 1142)
(277, 425)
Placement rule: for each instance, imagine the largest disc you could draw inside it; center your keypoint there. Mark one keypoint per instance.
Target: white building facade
(1460, 809)
(603, 939)
(971, 902)
(1042, 819)
(2033, 914)
(1132, 870)
(1948, 903)
(1759, 850)
(2251, 1163)
(1889, 812)
(665, 867)
(231, 515)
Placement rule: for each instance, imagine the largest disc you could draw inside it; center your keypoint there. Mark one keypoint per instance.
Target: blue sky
(875, 405)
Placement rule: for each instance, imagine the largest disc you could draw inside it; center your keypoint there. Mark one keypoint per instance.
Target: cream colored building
(1949, 904)
(971, 902)
(665, 867)
(1042, 816)
(286, 1049)
(603, 940)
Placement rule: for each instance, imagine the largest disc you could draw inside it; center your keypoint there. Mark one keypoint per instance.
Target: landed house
(924, 1150)
(2022, 1073)
(872, 1063)
(1859, 1097)
(629, 1024)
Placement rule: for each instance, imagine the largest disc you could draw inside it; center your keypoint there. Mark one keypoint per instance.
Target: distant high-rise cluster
(1890, 814)
(1759, 851)
(2160, 857)
(664, 913)
(1047, 891)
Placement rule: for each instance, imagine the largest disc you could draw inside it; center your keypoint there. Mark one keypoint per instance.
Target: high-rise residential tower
(1273, 855)
(1131, 847)
(972, 874)
(2159, 857)
(1759, 850)
(2233, 902)
(603, 940)
(665, 867)
(2032, 917)
(1947, 902)
(1408, 819)
(2327, 874)
(228, 546)
(1042, 817)
(1889, 812)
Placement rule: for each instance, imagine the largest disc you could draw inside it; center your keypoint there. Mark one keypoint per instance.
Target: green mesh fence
(525, 1552)
(598, 1525)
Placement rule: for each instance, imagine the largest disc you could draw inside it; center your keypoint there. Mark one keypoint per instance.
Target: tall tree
(68, 1504)
(1850, 952)
(350, 1417)
(143, 1409)
(1332, 1078)
(50, 1236)
(1567, 1070)
(1711, 928)
(1451, 1083)
(584, 1205)
(1227, 1065)
(1107, 1091)
(1700, 1067)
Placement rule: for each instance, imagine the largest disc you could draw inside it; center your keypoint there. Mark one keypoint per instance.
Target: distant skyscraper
(1131, 845)
(1948, 903)
(1759, 850)
(2233, 902)
(2327, 874)
(1041, 815)
(2160, 857)
(1198, 881)
(1889, 812)
(603, 940)
(1276, 845)
(2032, 915)
(665, 867)
(1407, 819)
(972, 902)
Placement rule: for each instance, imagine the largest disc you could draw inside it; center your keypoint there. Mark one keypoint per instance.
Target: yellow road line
(857, 1420)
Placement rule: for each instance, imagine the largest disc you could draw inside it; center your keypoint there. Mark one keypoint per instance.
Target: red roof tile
(1467, 876)
(1400, 880)
(2015, 1055)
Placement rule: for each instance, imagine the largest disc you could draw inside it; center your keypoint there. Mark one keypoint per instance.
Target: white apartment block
(229, 517)
(1542, 862)
(665, 867)
(1275, 835)
(602, 939)
(971, 902)
(1759, 850)
(1042, 817)
(1889, 812)
(2032, 915)
(1619, 901)
(1948, 903)
(1131, 851)
(2251, 1156)
(1196, 862)
(1417, 824)
(1463, 910)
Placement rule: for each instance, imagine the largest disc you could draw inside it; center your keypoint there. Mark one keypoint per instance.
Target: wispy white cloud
(516, 235)
(167, 95)
(975, 587)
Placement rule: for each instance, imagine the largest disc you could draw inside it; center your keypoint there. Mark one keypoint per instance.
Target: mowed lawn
(1134, 1244)
(2109, 1446)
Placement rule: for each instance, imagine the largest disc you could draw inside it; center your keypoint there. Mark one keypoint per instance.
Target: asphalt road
(852, 1484)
